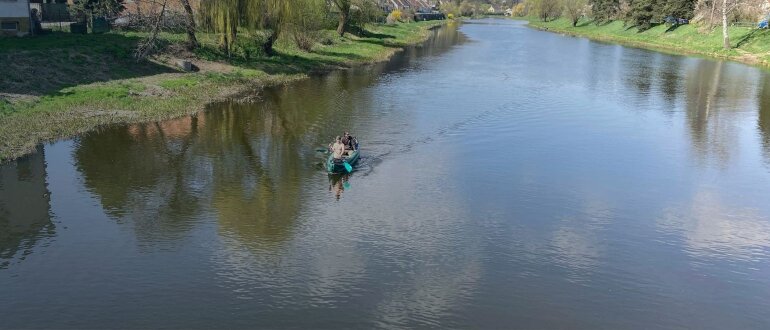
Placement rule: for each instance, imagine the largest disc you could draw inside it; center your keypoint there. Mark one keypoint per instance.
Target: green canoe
(338, 166)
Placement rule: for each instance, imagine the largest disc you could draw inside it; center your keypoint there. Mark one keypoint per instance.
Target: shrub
(395, 15)
(303, 25)
(520, 10)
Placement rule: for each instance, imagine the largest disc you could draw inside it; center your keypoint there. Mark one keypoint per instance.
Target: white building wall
(14, 8)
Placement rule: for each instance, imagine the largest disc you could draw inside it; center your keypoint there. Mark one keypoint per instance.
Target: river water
(510, 178)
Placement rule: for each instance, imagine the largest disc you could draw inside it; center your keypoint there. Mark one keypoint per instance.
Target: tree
(547, 9)
(725, 34)
(223, 18)
(226, 16)
(343, 6)
(574, 10)
(192, 41)
(303, 25)
(604, 10)
(643, 12)
(678, 8)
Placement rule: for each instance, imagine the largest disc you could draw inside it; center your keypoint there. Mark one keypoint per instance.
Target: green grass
(87, 81)
(750, 46)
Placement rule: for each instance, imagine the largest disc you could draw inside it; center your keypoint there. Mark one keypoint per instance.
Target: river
(511, 178)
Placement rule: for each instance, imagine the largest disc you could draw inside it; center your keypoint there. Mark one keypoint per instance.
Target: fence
(52, 12)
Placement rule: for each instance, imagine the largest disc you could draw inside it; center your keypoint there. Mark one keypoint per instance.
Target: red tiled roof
(414, 4)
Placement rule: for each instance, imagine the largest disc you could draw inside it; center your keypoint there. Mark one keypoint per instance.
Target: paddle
(347, 167)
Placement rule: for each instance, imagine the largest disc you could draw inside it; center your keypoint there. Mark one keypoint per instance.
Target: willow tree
(226, 17)
(223, 17)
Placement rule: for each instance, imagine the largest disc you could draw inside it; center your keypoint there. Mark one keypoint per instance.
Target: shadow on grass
(45, 64)
(749, 37)
(380, 42)
(370, 34)
(672, 28)
(586, 23)
(346, 56)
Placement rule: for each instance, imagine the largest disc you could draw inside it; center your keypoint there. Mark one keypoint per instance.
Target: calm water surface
(511, 179)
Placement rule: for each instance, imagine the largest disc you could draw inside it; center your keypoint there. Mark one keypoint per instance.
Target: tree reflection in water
(24, 207)
(763, 118)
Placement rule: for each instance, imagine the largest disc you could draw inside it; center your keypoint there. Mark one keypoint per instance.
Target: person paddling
(338, 149)
(349, 141)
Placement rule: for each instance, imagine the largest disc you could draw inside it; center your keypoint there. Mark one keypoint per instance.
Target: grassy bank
(751, 46)
(61, 85)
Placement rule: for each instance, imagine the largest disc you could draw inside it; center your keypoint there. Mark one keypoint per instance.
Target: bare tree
(725, 35)
(192, 41)
(574, 9)
(547, 9)
(149, 44)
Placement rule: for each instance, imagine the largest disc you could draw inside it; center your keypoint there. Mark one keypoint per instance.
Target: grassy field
(61, 85)
(751, 46)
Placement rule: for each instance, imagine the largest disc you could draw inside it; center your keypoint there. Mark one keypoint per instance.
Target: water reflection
(24, 207)
(482, 202)
(576, 240)
(338, 184)
(715, 228)
(763, 118)
(146, 175)
(243, 161)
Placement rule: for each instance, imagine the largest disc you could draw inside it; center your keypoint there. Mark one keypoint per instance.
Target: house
(14, 18)
(495, 10)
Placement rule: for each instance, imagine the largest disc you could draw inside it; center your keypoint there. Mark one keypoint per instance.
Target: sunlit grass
(749, 45)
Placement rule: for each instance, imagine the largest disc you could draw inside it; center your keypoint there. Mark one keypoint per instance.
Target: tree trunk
(192, 41)
(725, 36)
(267, 47)
(343, 23)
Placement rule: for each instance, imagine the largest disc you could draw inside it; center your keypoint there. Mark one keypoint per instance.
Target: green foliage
(303, 25)
(227, 17)
(643, 12)
(365, 12)
(678, 8)
(604, 10)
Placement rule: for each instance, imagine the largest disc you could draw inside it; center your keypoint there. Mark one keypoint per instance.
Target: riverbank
(750, 46)
(62, 85)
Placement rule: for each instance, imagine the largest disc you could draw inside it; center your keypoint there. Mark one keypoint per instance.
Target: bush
(520, 10)
(303, 26)
(304, 40)
(394, 16)
(450, 16)
(363, 12)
